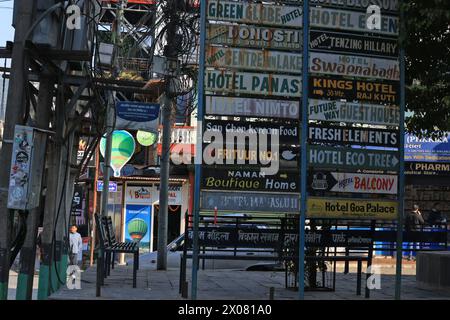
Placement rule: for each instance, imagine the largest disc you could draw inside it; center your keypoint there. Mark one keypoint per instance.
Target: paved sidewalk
(239, 285)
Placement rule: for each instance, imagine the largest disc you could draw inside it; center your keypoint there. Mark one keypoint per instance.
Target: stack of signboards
(353, 109)
(252, 87)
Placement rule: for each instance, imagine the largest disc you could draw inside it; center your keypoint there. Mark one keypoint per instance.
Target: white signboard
(337, 111)
(149, 194)
(251, 59)
(354, 66)
(352, 21)
(254, 13)
(252, 107)
(253, 83)
(254, 37)
(355, 182)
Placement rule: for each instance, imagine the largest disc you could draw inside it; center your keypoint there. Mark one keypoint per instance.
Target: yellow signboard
(352, 209)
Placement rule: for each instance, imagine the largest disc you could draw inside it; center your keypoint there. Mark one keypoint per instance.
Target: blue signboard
(134, 115)
(138, 225)
(427, 149)
(112, 186)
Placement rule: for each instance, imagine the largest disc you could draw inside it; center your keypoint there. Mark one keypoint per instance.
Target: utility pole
(14, 114)
(170, 52)
(110, 110)
(28, 251)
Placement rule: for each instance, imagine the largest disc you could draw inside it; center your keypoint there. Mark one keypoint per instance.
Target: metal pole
(304, 158)
(164, 185)
(401, 187)
(13, 115)
(198, 148)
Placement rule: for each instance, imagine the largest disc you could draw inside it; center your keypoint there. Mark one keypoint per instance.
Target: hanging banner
(352, 182)
(336, 87)
(288, 134)
(353, 136)
(354, 66)
(352, 209)
(254, 13)
(254, 37)
(427, 149)
(355, 159)
(385, 5)
(250, 202)
(352, 43)
(336, 111)
(351, 21)
(427, 169)
(239, 58)
(137, 116)
(252, 107)
(251, 154)
(249, 180)
(253, 83)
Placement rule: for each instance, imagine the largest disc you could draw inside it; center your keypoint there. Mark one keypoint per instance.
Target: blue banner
(427, 149)
(138, 224)
(134, 115)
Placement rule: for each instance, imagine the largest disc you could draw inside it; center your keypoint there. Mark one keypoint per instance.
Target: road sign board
(324, 40)
(352, 182)
(354, 66)
(287, 133)
(254, 13)
(238, 179)
(112, 186)
(338, 87)
(253, 83)
(254, 37)
(337, 111)
(350, 158)
(352, 208)
(253, 59)
(250, 202)
(352, 21)
(252, 107)
(353, 136)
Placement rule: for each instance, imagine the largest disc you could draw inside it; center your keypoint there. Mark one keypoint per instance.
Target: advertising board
(253, 59)
(337, 111)
(352, 21)
(254, 13)
(354, 66)
(252, 107)
(250, 202)
(338, 87)
(349, 158)
(352, 182)
(253, 83)
(254, 37)
(329, 41)
(352, 209)
(353, 136)
(237, 179)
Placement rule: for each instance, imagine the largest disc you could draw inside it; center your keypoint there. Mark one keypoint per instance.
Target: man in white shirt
(75, 245)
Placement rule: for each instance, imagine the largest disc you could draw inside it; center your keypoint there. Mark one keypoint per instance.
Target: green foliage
(427, 47)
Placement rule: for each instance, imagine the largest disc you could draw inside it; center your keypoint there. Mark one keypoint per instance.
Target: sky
(6, 30)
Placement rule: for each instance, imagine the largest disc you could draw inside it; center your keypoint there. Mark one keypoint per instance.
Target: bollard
(271, 293)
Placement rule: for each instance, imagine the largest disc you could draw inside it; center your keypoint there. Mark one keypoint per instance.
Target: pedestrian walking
(75, 245)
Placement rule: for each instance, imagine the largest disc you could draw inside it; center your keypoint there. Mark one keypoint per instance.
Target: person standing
(435, 216)
(75, 245)
(413, 223)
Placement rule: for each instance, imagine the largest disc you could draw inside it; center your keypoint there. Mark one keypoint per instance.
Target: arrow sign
(355, 159)
(352, 182)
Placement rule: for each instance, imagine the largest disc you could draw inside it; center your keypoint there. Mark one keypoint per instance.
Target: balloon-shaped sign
(122, 149)
(145, 138)
(137, 228)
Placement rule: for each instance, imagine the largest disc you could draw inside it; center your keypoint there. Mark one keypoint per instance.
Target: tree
(427, 47)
